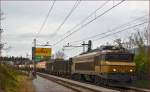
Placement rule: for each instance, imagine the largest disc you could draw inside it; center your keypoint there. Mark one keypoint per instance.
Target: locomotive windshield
(116, 57)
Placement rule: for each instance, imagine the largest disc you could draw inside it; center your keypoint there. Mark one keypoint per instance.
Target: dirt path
(26, 85)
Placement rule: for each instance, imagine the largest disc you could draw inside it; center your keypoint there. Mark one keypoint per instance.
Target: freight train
(105, 64)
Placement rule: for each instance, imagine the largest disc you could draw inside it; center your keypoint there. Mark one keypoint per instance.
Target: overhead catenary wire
(117, 32)
(45, 20)
(122, 30)
(88, 23)
(114, 29)
(88, 16)
(69, 14)
(100, 7)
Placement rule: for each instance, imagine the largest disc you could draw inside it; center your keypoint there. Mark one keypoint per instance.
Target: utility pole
(34, 61)
(83, 46)
(89, 44)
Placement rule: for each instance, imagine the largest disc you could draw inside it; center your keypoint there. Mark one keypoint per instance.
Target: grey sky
(23, 20)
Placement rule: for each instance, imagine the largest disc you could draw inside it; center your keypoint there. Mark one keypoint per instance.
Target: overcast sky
(23, 20)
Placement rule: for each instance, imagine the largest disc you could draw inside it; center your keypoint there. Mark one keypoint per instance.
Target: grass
(8, 78)
(12, 80)
(141, 84)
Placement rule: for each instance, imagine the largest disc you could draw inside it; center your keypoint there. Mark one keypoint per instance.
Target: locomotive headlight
(131, 70)
(114, 70)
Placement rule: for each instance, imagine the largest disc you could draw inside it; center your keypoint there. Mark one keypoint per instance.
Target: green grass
(141, 83)
(8, 78)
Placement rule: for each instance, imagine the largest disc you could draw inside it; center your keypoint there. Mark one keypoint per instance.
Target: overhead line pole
(34, 61)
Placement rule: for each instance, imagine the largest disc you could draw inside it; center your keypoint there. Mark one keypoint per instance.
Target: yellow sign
(43, 52)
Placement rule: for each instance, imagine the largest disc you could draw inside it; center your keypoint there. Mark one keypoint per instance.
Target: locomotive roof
(103, 50)
(87, 54)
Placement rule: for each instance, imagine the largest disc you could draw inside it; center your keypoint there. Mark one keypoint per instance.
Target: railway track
(80, 88)
(121, 88)
(114, 87)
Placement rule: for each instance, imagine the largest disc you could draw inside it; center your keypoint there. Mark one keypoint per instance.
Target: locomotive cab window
(116, 57)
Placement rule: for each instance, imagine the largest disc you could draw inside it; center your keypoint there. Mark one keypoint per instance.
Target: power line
(117, 32)
(88, 16)
(88, 23)
(45, 20)
(110, 30)
(73, 8)
(121, 31)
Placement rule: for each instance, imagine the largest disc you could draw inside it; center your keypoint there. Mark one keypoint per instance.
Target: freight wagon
(41, 66)
(59, 67)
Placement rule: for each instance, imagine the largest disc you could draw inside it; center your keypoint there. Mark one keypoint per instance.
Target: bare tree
(2, 15)
(119, 43)
(146, 34)
(60, 55)
(131, 42)
(1, 45)
(139, 40)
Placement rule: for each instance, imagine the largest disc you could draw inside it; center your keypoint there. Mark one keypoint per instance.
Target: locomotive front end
(118, 66)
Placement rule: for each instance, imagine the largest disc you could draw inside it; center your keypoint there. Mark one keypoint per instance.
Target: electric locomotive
(108, 63)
